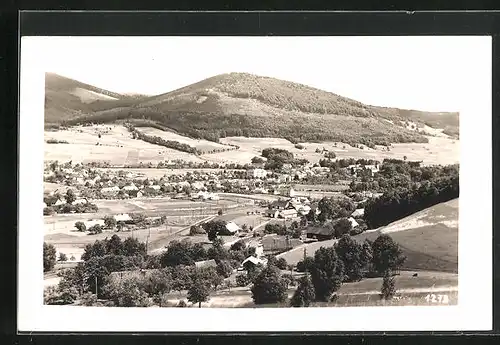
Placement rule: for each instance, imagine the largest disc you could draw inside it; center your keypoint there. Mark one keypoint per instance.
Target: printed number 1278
(441, 299)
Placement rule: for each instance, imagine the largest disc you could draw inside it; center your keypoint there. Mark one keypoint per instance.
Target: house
(130, 188)
(288, 214)
(232, 228)
(260, 190)
(198, 185)
(302, 209)
(281, 204)
(205, 264)
(259, 248)
(360, 212)
(124, 217)
(152, 189)
(272, 213)
(256, 173)
(90, 223)
(80, 201)
(140, 194)
(277, 243)
(299, 175)
(286, 167)
(353, 222)
(252, 261)
(110, 191)
(321, 233)
(213, 196)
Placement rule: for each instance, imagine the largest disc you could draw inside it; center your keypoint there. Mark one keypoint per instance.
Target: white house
(232, 227)
(205, 264)
(198, 185)
(130, 187)
(124, 217)
(353, 222)
(256, 173)
(285, 191)
(80, 201)
(288, 214)
(360, 212)
(252, 260)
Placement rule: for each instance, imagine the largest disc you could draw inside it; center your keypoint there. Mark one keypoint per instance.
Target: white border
(474, 311)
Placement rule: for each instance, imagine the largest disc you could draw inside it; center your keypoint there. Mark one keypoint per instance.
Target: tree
(127, 292)
(350, 252)
(282, 264)
(63, 257)
(304, 294)
(195, 230)
(305, 265)
(341, 227)
(199, 290)
(242, 280)
(257, 160)
(109, 222)
(326, 273)
(70, 196)
(238, 245)
(269, 287)
(88, 299)
(388, 285)
(156, 285)
(132, 247)
(219, 212)
(80, 226)
(367, 255)
(95, 229)
(49, 257)
(387, 254)
(114, 245)
(224, 268)
(214, 228)
(96, 249)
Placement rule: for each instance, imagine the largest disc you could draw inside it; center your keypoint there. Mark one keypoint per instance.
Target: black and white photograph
(253, 175)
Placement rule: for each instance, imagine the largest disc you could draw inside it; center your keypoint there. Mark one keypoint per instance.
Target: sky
(424, 73)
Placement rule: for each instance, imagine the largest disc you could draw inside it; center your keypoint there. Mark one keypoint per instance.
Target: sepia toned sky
(425, 73)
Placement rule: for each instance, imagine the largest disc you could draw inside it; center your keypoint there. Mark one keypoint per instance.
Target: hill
(241, 104)
(428, 238)
(66, 98)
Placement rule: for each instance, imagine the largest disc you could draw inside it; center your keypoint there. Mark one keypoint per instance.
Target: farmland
(116, 147)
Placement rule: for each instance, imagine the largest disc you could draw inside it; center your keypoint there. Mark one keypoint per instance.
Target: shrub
(242, 280)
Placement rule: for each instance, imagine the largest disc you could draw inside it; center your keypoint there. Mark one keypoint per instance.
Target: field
(439, 150)
(116, 146)
(428, 238)
(202, 145)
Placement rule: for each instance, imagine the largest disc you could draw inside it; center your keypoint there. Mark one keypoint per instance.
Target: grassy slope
(429, 239)
(245, 104)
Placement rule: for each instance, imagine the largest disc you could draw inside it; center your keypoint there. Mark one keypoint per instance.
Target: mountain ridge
(234, 104)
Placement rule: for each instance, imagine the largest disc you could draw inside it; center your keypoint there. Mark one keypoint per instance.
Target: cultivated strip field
(116, 146)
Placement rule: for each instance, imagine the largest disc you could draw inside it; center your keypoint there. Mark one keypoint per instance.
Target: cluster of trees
(276, 158)
(67, 206)
(294, 230)
(332, 208)
(442, 185)
(99, 260)
(172, 144)
(347, 261)
(216, 228)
